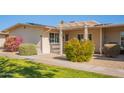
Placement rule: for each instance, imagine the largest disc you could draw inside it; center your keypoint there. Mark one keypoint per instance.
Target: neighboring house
(51, 39)
(2, 39)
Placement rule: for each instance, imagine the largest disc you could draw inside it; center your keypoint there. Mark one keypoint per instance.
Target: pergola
(77, 25)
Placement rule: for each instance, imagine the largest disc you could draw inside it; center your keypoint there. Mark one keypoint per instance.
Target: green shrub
(111, 50)
(79, 51)
(27, 49)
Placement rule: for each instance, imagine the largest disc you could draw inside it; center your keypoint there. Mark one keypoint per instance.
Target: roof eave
(20, 24)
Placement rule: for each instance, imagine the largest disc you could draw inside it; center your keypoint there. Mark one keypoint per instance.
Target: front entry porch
(99, 35)
(82, 32)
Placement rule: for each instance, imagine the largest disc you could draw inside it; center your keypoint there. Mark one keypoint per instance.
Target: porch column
(61, 38)
(100, 49)
(85, 32)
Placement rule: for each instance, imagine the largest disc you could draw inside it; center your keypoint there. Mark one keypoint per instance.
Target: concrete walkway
(59, 61)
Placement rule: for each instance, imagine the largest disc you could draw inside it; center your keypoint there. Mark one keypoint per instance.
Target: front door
(54, 42)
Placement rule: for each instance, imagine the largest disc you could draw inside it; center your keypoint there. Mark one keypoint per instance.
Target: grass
(17, 68)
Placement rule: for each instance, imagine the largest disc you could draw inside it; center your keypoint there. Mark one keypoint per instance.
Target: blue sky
(9, 20)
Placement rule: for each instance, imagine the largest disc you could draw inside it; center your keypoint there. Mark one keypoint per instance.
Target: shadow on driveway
(120, 58)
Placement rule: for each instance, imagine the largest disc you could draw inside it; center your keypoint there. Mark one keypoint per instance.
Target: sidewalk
(56, 61)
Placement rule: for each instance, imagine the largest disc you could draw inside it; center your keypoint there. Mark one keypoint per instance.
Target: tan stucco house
(50, 39)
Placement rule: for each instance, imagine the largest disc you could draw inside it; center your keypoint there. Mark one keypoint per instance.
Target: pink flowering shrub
(12, 43)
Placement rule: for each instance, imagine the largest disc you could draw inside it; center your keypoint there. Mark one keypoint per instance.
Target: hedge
(27, 49)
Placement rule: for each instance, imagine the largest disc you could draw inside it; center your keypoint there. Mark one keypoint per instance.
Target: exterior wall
(29, 35)
(112, 34)
(2, 40)
(95, 36)
(38, 37)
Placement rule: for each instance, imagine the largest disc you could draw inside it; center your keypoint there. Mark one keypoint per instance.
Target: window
(66, 37)
(54, 38)
(80, 37)
(122, 40)
(90, 36)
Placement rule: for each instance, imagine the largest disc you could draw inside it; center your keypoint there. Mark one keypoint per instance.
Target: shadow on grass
(16, 68)
(8, 69)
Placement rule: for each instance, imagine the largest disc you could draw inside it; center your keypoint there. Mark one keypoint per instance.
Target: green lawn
(16, 68)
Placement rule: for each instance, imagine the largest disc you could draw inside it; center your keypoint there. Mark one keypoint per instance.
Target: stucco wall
(95, 36)
(2, 40)
(31, 35)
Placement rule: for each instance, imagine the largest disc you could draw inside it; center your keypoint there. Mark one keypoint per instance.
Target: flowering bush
(12, 43)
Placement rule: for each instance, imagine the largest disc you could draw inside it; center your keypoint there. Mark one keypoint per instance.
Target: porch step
(55, 51)
(55, 48)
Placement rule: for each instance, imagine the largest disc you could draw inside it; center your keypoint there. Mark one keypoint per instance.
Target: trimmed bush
(27, 49)
(12, 43)
(79, 51)
(111, 50)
